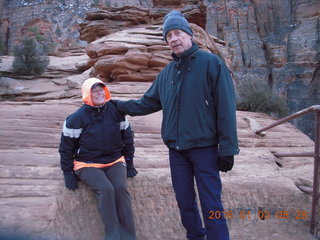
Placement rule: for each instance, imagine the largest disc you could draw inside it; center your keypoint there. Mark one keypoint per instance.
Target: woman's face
(98, 95)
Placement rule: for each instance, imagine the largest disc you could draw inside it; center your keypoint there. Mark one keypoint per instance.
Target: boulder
(138, 54)
(119, 50)
(106, 21)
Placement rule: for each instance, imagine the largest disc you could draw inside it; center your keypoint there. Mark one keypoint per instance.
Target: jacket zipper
(179, 87)
(181, 73)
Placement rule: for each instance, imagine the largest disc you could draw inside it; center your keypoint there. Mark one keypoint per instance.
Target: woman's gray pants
(110, 186)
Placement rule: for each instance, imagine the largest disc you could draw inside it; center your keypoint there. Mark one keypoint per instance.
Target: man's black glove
(131, 171)
(70, 180)
(225, 163)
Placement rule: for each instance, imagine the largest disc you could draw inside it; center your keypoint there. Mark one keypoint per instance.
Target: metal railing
(315, 154)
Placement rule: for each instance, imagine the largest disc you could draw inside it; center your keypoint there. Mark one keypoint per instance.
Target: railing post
(315, 196)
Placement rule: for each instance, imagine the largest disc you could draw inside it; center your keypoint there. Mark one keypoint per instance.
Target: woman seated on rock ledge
(97, 146)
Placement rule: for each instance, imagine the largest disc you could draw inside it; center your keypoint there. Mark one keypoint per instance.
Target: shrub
(257, 96)
(29, 58)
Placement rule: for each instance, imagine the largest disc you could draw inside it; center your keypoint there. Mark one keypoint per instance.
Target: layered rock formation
(136, 54)
(132, 49)
(110, 20)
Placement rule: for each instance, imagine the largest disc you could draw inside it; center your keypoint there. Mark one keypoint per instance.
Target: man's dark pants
(199, 164)
(110, 187)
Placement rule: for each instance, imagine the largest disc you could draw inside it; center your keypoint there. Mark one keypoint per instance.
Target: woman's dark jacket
(95, 135)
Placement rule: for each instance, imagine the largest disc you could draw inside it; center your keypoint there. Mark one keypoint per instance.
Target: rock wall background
(273, 41)
(268, 40)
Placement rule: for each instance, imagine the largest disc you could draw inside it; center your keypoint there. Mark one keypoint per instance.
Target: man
(97, 146)
(196, 94)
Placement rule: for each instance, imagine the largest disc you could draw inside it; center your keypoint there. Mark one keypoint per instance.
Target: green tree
(29, 58)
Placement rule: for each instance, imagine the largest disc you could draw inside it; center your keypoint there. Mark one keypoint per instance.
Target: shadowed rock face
(276, 42)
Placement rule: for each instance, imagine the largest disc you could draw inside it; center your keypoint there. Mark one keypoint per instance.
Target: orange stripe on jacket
(78, 165)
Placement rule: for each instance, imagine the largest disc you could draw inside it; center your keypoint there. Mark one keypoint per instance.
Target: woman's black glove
(131, 171)
(225, 163)
(70, 180)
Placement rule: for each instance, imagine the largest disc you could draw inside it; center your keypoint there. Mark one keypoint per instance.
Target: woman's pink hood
(86, 90)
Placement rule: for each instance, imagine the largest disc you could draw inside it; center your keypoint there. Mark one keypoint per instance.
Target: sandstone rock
(65, 66)
(138, 54)
(278, 54)
(70, 51)
(58, 67)
(60, 75)
(110, 20)
(100, 21)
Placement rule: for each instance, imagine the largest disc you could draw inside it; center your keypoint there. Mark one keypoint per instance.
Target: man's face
(178, 41)
(98, 95)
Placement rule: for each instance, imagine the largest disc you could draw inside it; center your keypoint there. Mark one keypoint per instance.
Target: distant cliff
(273, 41)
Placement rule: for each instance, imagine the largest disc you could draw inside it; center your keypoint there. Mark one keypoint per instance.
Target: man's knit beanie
(175, 20)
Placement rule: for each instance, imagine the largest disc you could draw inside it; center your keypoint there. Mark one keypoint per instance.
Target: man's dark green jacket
(196, 95)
